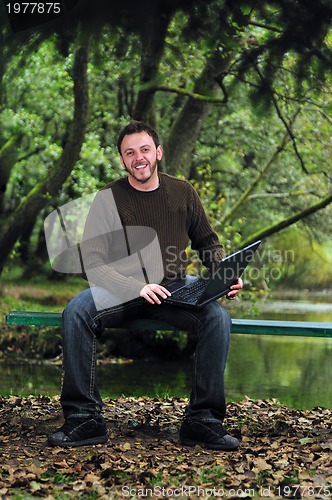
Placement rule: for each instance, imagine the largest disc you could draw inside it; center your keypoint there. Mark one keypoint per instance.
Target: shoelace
(71, 424)
(218, 429)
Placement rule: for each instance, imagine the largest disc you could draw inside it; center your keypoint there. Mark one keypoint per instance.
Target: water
(295, 311)
(297, 371)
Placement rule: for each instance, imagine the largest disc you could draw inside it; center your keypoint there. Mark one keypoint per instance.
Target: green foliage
(39, 107)
(240, 143)
(300, 262)
(58, 477)
(215, 204)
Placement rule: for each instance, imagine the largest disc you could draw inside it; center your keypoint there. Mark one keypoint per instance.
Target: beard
(142, 179)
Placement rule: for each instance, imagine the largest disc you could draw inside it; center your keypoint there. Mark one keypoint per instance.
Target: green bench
(244, 326)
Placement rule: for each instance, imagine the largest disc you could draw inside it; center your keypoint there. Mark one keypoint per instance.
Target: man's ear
(159, 153)
(122, 162)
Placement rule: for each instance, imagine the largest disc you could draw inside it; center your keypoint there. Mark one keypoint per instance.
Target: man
(171, 209)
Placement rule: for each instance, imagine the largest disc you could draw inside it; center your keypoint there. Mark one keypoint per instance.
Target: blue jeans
(83, 325)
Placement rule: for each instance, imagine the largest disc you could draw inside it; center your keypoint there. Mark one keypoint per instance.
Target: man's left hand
(234, 289)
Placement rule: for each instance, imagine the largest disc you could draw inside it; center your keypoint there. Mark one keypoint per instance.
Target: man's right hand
(152, 292)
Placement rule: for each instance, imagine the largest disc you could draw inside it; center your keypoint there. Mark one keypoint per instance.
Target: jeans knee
(69, 311)
(218, 313)
(79, 308)
(226, 317)
(218, 324)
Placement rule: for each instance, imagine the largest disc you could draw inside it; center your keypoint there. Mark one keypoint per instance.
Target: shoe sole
(190, 442)
(83, 442)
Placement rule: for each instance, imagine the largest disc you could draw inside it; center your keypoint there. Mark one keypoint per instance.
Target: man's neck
(149, 185)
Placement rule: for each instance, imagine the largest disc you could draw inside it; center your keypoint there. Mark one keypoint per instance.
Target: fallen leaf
(125, 446)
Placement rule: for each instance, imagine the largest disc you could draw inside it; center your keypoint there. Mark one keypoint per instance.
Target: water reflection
(296, 371)
(295, 311)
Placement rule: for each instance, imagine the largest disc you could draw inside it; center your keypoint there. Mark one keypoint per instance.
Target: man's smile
(141, 166)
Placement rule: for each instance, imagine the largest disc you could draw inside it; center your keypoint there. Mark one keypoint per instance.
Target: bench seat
(245, 326)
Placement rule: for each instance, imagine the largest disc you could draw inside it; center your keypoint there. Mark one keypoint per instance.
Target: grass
(37, 293)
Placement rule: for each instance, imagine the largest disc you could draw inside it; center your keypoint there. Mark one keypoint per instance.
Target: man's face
(139, 156)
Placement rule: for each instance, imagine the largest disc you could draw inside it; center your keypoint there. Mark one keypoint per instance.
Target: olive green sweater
(133, 237)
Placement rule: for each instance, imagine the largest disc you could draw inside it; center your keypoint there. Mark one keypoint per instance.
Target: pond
(297, 371)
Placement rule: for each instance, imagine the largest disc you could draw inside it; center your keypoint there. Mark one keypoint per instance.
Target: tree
(27, 211)
(182, 66)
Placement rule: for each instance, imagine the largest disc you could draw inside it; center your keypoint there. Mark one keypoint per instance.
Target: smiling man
(139, 155)
(171, 209)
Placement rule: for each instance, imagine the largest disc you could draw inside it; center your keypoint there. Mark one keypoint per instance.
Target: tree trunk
(153, 40)
(186, 129)
(29, 208)
(8, 158)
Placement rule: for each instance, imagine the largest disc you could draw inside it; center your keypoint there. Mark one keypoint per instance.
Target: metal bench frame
(244, 326)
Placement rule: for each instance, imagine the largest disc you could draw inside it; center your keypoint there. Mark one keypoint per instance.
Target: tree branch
(280, 195)
(264, 26)
(31, 153)
(186, 92)
(245, 195)
(288, 221)
(284, 121)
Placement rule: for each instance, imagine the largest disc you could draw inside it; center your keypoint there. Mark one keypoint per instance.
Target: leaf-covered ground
(284, 453)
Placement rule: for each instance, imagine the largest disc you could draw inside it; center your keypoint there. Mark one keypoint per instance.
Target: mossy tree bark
(13, 226)
(186, 128)
(8, 159)
(153, 42)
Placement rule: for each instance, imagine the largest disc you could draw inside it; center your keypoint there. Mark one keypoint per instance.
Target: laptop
(197, 292)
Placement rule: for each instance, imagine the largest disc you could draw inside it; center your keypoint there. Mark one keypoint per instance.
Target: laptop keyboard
(192, 292)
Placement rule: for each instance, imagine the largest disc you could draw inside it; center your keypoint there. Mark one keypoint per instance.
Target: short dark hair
(135, 127)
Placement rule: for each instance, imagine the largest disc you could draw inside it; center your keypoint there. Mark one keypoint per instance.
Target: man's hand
(152, 292)
(235, 289)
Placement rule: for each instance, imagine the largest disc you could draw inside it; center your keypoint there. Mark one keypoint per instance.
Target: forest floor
(284, 453)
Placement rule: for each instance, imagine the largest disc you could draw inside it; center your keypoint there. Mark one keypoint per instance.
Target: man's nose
(138, 156)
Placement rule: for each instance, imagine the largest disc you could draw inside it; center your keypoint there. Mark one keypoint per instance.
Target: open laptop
(199, 291)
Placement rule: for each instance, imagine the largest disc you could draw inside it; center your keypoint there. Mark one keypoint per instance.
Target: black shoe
(207, 434)
(79, 432)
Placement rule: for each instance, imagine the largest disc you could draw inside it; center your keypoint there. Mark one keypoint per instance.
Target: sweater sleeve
(203, 238)
(104, 250)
